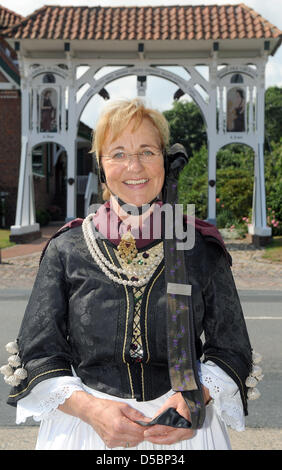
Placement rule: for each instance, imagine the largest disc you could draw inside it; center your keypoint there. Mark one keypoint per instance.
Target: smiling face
(135, 182)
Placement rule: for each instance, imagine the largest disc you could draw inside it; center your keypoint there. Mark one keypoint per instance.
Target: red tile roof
(145, 23)
(8, 18)
(7, 55)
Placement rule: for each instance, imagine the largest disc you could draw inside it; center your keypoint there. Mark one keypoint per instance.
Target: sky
(160, 97)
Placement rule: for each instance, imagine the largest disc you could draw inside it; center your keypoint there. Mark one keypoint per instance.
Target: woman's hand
(167, 435)
(112, 420)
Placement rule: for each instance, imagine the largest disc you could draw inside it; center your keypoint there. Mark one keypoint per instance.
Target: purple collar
(112, 227)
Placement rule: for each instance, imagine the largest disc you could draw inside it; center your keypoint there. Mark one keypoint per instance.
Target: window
(237, 78)
(49, 78)
(38, 161)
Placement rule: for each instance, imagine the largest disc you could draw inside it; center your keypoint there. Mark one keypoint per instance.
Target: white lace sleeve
(225, 394)
(45, 397)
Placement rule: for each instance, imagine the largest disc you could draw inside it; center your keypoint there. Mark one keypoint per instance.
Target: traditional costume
(97, 321)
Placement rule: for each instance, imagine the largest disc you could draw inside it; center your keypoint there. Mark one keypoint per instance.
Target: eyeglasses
(148, 155)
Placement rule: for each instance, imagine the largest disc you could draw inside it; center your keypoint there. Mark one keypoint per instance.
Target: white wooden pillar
(250, 126)
(25, 222)
(71, 153)
(211, 183)
(212, 134)
(259, 226)
(71, 180)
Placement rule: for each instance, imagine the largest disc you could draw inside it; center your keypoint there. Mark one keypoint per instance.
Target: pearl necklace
(141, 268)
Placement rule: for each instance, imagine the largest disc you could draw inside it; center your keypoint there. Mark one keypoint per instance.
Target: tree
(186, 125)
(273, 115)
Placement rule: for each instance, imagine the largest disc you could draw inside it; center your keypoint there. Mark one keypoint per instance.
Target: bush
(224, 218)
(236, 156)
(193, 183)
(273, 187)
(235, 176)
(273, 222)
(235, 191)
(42, 217)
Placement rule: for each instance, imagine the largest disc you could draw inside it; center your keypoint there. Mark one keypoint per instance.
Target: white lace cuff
(225, 394)
(45, 397)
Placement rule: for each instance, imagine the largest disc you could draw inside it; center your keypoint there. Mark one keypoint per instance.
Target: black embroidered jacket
(76, 316)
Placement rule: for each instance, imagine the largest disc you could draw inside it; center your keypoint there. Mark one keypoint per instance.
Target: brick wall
(3, 78)
(10, 149)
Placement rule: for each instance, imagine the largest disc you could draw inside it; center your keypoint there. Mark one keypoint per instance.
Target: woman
(93, 340)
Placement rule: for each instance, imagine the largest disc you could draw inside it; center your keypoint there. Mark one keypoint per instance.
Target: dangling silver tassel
(253, 394)
(6, 370)
(254, 377)
(12, 347)
(20, 373)
(14, 361)
(13, 372)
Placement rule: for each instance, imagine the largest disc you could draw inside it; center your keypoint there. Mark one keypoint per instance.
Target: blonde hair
(116, 117)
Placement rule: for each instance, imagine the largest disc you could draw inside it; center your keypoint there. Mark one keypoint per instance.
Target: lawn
(273, 251)
(4, 239)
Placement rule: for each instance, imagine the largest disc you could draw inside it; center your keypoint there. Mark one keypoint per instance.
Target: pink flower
(273, 221)
(232, 226)
(222, 205)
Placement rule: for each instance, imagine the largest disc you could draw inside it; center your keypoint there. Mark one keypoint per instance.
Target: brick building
(10, 121)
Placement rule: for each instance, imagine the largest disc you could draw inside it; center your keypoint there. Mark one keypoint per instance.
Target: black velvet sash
(182, 361)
